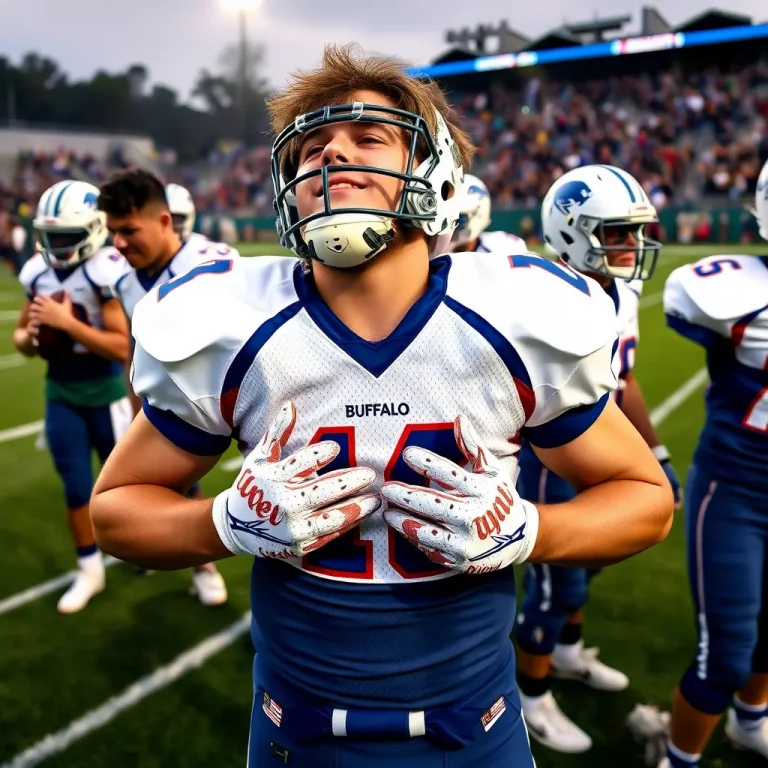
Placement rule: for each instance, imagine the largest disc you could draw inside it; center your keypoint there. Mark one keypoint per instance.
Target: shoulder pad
(503, 241)
(534, 299)
(106, 267)
(217, 303)
(636, 286)
(724, 287)
(31, 270)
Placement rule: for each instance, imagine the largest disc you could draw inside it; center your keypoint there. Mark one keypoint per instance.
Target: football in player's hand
(53, 343)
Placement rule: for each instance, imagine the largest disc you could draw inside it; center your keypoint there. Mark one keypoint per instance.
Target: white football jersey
(133, 285)
(500, 242)
(88, 284)
(515, 343)
(626, 299)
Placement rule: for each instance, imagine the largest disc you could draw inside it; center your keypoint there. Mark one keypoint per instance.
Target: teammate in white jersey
(593, 218)
(143, 230)
(351, 379)
(71, 318)
(721, 303)
(475, 218)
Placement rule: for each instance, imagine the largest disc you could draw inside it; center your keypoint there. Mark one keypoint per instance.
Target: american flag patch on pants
(272, 709)
(498, 708)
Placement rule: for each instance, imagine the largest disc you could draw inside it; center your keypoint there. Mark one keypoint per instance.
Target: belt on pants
(449, 727)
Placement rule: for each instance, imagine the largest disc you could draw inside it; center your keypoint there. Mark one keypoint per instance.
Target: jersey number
(715, 267)
(351, 556)
(757, 415)
(220, 267)
(524, 260)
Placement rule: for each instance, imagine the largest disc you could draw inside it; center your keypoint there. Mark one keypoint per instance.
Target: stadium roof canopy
(471, 44)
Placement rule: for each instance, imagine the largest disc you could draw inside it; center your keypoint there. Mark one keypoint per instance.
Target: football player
(377, 397)
(144, 231)
(593, 218)
(720, 303)
(71, 318)
(475, 218)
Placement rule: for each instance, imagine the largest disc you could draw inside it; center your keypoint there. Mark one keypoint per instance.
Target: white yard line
(666, 408)
(9, 296)
(651, 300)
(230, 465)
(9, 316)
(36, 592)
(14, 360)
(25, 430)
(57, 742)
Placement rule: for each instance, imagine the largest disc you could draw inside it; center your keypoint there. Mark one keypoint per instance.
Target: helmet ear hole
(447, 191)
(568, 239)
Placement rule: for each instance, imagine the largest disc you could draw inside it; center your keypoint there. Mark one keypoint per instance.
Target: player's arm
(139, 511)
(634, 408)
(24, 334)
(111, 342)
(132, 396)
(624, 503)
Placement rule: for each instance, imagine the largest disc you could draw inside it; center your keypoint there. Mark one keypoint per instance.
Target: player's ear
(166, 220)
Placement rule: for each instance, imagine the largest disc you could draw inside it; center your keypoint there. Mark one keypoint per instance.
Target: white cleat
(549, 726)
(754, 741)
(209, 586)
(83, 588)
(579, 663)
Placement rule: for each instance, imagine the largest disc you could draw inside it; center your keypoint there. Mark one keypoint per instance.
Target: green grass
(53, 669)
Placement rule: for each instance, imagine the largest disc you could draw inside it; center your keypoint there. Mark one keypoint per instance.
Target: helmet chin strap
(345, 240)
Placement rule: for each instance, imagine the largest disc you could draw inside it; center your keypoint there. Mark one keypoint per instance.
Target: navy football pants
(73, 432)
(727, 544)
(552, 593)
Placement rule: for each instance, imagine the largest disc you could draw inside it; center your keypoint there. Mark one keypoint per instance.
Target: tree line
(36, 91)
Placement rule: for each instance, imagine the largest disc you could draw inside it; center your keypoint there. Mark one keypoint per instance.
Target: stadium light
(242, 7)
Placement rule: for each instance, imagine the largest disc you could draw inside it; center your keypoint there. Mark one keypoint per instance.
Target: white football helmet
(582, 203)
(761, 202)
(68, 225)
(474, 214)
(182, 208)
(347, 237)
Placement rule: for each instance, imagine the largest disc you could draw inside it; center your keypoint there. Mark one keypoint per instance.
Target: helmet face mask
(598, 257)
(349, 235)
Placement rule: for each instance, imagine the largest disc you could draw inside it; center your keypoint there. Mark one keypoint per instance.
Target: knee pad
(710, 698)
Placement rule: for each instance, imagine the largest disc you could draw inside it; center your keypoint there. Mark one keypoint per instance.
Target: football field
(146, 676)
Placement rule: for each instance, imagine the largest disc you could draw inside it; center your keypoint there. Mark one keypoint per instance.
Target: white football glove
(480, 525)
(282, 509)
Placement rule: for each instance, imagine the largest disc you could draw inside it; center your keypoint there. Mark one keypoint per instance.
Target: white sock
(531, 702)
(91, 564)
(570, 654)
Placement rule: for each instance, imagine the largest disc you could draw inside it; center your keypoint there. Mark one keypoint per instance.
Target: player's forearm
(109, 344)
(24, 341)
(604, 524)
(155, 527)
(634, 408)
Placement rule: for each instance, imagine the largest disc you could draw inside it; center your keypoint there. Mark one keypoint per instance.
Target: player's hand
(479, 524)
(46, 311)
(281, 508)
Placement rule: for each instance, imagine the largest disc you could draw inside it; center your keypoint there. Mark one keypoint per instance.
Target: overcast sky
(176, 38)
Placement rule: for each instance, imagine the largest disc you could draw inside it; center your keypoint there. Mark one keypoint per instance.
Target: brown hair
(346, 69)
(131, 190)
